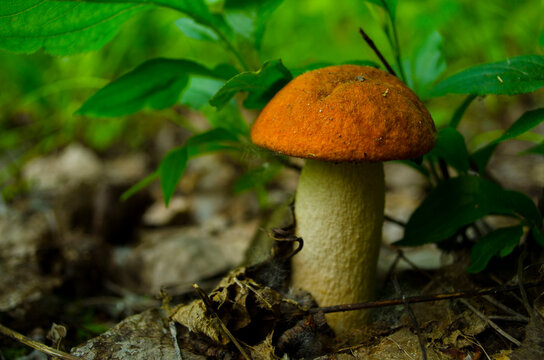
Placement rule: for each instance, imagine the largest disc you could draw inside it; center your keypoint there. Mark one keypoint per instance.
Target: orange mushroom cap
(346, 113)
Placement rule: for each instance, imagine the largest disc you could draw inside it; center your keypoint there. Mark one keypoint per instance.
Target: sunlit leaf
(517, 75)
(256, 13)
(194, 30)
(60, 27)
(428, 63)
(525, 123)
(450, 145)
(72, 26)
(199, 91)
(460, 201)
(155, 84)
(260, 85)
(500, 243)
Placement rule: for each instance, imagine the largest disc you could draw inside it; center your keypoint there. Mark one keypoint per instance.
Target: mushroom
(345, 121)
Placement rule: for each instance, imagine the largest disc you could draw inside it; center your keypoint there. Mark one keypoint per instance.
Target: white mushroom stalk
(339, 212)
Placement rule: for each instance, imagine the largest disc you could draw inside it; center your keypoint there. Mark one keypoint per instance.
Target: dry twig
(36, 345)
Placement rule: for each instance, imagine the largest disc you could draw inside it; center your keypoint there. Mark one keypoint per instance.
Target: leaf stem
(397, 48)
(395, 42)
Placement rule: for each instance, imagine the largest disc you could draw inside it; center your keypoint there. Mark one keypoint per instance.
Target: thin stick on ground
(421, 298)
(412, 316)
(209, 306)
(371, 44)
(36, 345)
(491, 323)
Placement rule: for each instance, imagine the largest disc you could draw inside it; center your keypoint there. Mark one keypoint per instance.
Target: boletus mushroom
(345, 121)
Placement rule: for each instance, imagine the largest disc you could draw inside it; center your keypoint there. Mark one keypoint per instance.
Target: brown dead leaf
(249, 310)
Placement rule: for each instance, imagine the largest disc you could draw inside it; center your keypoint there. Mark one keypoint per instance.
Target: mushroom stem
(339, 213)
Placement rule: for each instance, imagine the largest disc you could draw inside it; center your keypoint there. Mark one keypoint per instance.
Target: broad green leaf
(389, 5)
(428, 63)
(72, 26)
(500, 243)
(196, 9)
(260, 85)
(518, 75)
(541, 39)
(460, 201)
(194, 30)
(450, 145)
(60, 27)
(525, 123)
(460, 111)
(155, 84)
(173, 165)
(257, 177)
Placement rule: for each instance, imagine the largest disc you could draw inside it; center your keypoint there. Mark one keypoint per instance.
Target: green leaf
(156, 84)
(171, 169)
(173, 165)
(196, 9)
(460, 111)
(428, 63)
(72, 26)
(450, 145)
(525, 123)
(257, 177)
(389, 5)
(518, 75)
(500, 242)
(460, 201)
(199, 91)
(257, 12)
(194, 30)
(541, 39)
(60, 27)
(260, 85)
(210, 141)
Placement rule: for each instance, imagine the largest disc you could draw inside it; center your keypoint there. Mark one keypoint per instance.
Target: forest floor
(98, 278)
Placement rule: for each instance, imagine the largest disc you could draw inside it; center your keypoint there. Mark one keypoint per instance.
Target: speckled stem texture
(339, 213)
